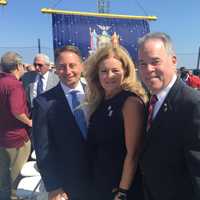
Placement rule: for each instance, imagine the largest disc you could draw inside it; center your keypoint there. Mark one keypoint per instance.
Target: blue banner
(90, 32)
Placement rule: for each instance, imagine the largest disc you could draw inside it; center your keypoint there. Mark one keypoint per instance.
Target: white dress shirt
(80, 94)
(162, 95)
(44, 81)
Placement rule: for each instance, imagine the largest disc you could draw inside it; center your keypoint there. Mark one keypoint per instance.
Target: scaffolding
(103, 6)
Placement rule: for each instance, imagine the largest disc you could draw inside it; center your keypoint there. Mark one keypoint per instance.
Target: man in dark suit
(59, 139)
(40, 80)
(170, 160)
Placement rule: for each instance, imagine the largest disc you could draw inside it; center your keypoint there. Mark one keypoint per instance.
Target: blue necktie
(40, 85)
(79, 114)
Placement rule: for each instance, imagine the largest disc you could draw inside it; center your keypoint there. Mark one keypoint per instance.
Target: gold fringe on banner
(53, 11)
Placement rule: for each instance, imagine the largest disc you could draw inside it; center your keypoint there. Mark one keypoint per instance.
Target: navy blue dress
(107, 148)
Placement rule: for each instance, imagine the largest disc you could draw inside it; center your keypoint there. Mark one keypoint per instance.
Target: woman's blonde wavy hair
(95, 92)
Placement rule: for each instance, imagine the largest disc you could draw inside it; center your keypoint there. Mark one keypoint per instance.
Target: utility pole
(103, 6)
(198, 59)
(39, 47)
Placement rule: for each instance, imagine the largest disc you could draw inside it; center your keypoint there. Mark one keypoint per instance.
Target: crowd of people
(190, 77)
(100, 128)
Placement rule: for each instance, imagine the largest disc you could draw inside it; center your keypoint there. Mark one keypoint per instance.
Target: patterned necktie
(79, 114)
(151, 106)
(40, 85)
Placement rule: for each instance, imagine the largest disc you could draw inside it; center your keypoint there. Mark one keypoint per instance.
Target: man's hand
(24, 119)
(58, 194)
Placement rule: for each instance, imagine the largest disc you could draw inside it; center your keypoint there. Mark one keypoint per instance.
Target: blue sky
(22, 23)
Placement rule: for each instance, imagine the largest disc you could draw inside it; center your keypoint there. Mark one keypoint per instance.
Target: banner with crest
(92, 32)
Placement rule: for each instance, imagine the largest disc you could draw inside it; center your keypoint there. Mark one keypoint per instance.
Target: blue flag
(90, 32)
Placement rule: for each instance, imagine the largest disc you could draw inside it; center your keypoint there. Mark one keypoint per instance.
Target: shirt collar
(44, 76)
(163, 93)
(4, 74)
(67, 90)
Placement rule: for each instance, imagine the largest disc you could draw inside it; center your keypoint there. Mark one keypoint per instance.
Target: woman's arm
(133, 114)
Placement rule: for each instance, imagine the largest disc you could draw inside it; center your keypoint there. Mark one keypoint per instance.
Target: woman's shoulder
(131, 95)
(133, 99)
(128, 93)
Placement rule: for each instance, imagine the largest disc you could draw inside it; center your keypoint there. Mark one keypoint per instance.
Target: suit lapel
(32, 80)
(31, 89)
(62, 102)
(63, 106)
(31, 92)
(165, 110)
(49, 81)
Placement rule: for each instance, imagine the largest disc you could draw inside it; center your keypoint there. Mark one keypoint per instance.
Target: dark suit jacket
(59, 145)
(170, 160)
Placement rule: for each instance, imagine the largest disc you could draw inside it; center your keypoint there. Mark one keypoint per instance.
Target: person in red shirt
(189, 78)
(193, 81)
(14, 122)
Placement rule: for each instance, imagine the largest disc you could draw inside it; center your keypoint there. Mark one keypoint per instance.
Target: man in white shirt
(60, 132)
(170, 160)
(40, 80)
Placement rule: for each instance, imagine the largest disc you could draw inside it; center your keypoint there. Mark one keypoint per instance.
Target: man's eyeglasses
(37, 64)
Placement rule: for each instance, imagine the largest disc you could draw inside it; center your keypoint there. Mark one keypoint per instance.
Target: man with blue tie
(60, 132)
(40, 80)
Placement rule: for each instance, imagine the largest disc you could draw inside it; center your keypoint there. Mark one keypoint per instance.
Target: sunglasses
(37, 64)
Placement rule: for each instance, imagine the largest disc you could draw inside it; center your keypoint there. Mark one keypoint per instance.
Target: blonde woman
(116, 116)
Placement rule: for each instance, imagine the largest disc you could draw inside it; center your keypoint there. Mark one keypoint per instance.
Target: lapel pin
(165, 107)
(109, 108)
(110, 111)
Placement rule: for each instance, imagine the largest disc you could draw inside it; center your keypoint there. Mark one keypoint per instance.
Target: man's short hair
(10, 60)
(160, 36)
(68, 48)
(44, 56)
